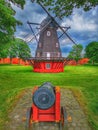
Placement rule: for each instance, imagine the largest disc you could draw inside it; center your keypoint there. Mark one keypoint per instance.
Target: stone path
(17, 116)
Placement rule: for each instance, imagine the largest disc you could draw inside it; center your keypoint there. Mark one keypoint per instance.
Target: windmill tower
(48, 57)
(48, 45)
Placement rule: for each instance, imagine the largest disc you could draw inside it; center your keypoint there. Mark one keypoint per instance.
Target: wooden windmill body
(48, 45)
(48, 57)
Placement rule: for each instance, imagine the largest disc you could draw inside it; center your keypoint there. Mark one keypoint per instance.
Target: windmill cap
(46, 21)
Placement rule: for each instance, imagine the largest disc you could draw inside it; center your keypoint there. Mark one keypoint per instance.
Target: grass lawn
(83, 80)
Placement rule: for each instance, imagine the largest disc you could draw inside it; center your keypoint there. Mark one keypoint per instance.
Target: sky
(84, 25)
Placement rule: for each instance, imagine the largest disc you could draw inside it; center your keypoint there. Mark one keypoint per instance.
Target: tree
(65, 7)
(23, 51)
(3, 51)
(20, 49)
(12, 51)
(19, 3)
(16, 48)
(92, 51)
(76, 52)
(7, 20)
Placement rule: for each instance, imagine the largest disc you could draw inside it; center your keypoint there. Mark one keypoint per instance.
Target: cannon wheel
(28, 118)
(63, 117)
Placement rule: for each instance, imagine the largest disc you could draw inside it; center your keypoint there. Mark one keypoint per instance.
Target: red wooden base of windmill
(47, 66)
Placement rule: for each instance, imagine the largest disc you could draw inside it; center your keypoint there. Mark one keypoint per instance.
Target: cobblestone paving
(17, 116)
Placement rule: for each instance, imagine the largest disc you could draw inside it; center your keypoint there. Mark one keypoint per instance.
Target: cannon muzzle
(44, 96)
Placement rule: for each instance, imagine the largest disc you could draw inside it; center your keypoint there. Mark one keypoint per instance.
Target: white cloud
(65, 41)
(22, 33)
(65, 54)
(94, 12)
(80, 23)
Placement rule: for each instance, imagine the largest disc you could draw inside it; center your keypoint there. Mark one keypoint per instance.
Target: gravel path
(17, 116)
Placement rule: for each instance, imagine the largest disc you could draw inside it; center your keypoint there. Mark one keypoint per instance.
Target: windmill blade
(37, 28)
(57, 23)
(63, 33)
(33, 23)
(28, 38)
(66, 27)
(66, 33)
(32, 31)
(35, 35)
(45, 10)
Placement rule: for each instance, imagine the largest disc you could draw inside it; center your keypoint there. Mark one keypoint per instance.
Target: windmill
(48, 56)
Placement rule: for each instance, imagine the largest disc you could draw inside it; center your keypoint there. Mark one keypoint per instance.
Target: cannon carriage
(46, 107)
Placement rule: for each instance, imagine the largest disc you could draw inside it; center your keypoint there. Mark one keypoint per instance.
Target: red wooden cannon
(46, 106)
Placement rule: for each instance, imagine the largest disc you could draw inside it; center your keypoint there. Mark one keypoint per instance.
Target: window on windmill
(48, 33)
(38, 54)
(39, 44)
(48, 66)
(57, 45)
(58, 54)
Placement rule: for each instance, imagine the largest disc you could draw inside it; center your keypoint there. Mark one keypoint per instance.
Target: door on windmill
(48, 55)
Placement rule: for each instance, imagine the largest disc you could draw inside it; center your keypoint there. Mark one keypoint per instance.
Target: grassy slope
(14, 79)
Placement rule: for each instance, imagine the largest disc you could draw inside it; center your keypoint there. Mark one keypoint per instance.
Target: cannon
(46, 106)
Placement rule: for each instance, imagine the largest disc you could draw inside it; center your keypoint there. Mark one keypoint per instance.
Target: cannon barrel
(44, 96)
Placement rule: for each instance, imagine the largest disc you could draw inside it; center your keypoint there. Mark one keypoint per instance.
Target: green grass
(84, 79)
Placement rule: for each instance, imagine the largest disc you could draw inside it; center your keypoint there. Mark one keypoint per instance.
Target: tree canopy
(92, 51)
(76, 52)
(20, 49)
(3, 51)
(16, 48)
(19, 3)
(7, 21)
(65, 7)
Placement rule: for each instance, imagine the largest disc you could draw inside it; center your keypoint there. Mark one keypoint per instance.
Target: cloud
(32, 12)
(65, 41)
(78, 23)
(65, 50)
(84, 26)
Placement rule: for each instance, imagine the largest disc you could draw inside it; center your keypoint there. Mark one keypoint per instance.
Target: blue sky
(84, 25)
